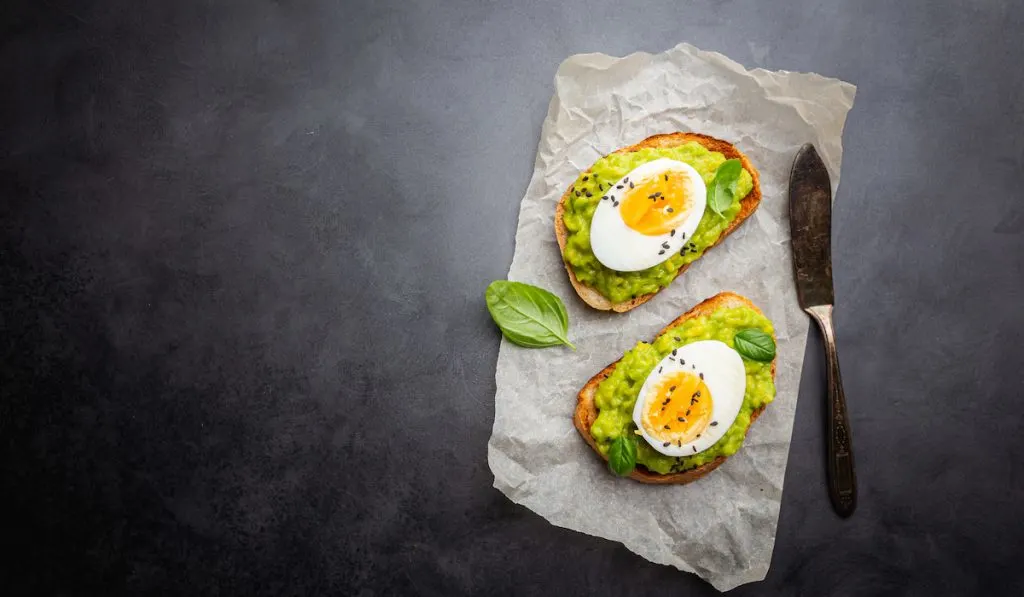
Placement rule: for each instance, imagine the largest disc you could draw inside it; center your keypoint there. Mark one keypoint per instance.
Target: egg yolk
(655, 205)
(679, 409)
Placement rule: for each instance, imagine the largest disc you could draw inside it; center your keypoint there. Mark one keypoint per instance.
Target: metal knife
(810, 221)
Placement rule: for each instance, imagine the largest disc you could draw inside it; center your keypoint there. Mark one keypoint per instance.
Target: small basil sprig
(723, 187)
(755, 345)
(527, 315)
(622, 455)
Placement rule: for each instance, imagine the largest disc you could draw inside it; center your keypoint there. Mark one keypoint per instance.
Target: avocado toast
(606, 289)
(718, 318)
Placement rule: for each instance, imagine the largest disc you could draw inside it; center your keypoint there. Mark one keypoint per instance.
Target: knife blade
(810, 221)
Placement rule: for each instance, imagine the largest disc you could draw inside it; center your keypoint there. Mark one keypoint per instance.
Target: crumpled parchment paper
(723, 526)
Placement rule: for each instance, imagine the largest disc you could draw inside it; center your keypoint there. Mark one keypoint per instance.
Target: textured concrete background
(244, 248)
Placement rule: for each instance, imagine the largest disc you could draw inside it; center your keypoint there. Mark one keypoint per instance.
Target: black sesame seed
(664, 245)
(683, 236)
(661, 252)
(714, 423)
(578, 193)
(669, 209)
(682, 362)
(618, 186)
(589, 194)
(672, 233)
(586, 178)
(676, 338)
(672, 389)
(631, 185)
(659, 369)
(667, 427)
(702, 377)
(615, 203)
(604, 198)
(680, 419)
(687, 412)
(697, 394)
(698, 436)
(679, 443)
(695, 448)
(572, 187)
(666, 177)
(665, 445)
(674, 352)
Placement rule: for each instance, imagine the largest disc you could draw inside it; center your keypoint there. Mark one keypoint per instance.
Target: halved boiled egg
(647, 215)
(691, 398)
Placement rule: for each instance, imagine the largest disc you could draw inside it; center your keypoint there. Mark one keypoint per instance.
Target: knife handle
(842, 483)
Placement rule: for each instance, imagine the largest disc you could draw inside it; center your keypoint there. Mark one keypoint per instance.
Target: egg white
(725, 377)
(619, 247)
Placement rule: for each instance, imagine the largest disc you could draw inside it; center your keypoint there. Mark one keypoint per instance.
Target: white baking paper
(723, 526)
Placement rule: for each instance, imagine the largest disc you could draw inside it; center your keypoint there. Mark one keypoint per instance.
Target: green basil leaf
(527, 315)
(622, 455)
(755, 345)
(723, 188)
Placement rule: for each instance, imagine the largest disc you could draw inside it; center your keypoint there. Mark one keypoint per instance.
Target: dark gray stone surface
(244, 247)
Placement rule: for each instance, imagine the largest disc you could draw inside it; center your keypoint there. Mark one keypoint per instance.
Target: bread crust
(748, 204)
(586, 409)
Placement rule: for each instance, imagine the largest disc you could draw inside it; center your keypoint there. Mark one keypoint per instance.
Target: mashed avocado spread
(579, 209)
(617, 394)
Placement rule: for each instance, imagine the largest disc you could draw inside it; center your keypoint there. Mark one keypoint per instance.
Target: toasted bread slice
(747, 206)
(586, 409)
